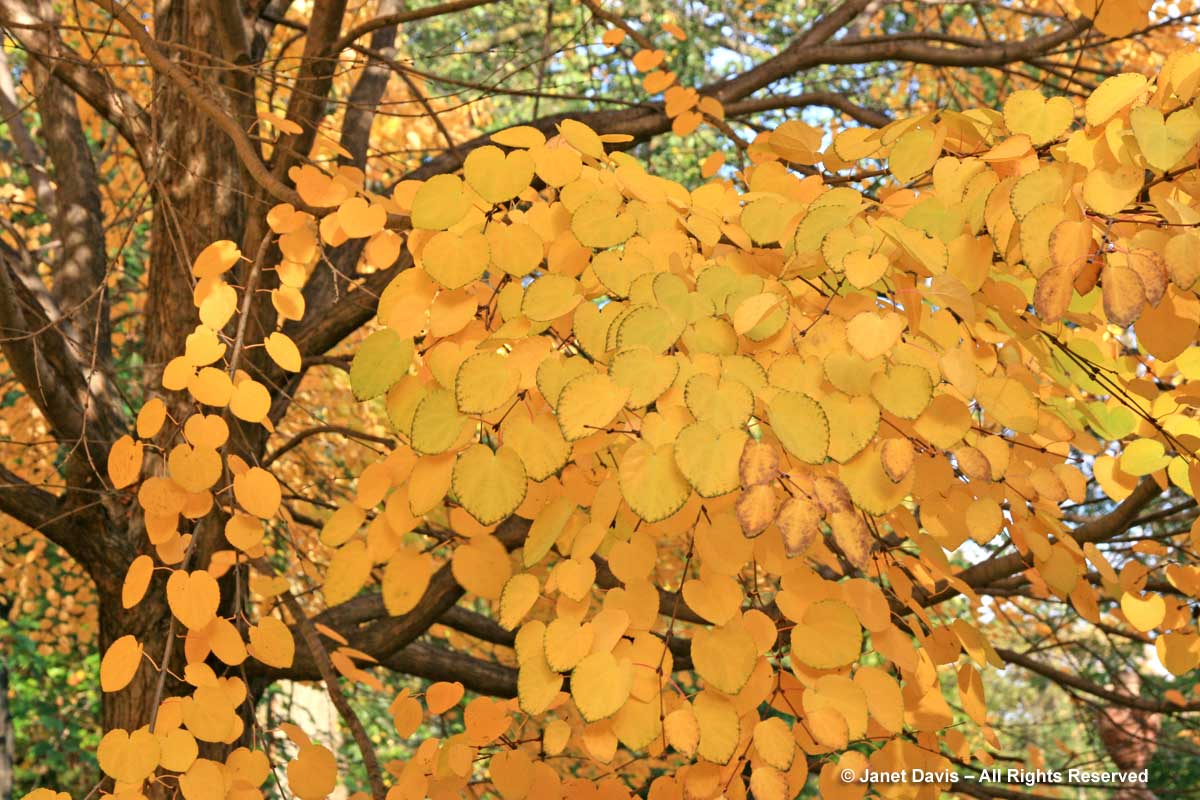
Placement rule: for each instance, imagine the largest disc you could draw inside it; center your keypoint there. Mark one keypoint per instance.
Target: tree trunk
(198, 199)
(132, 707)
(198, 192)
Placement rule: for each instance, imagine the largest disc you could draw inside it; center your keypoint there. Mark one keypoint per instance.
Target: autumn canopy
(606, 401)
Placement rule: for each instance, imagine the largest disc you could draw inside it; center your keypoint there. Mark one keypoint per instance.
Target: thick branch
(804, 53)
(1096, 530)
(318, 333)
(246, 150)
(441, 664)
(307, 103)
(839, 102)
(28, 344)
(81, 267)
(26, 503)
(231, 29)
(1094, 689)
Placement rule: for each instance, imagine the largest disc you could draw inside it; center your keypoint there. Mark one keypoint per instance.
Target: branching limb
(246, 150)
(320, 430)
(1096, 690)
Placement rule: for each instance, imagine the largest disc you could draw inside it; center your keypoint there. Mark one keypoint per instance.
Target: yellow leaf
(546, 528)
(1143, 613)
(537, 685)
(522, 136)
(347, 572)
(380, 361)
(801, 426)
(1010, 402)
(250, 401)
(884, 699)
(437, 423)
(756, 509)
(442, 696)
(194, 468)
(519, 594)
(682, 730)
(178, 750)
(873, 335)
(651, 482)
(566, 642)
(271, 643)
(193, 598)
(1109, 191)
(128, 757)
(799, 521)
(904, 390)
(257, 491)
(913, 153)
(613, 37)
(598, 224)
(151, 417)
(1143, 457)
(212, 387)
(589, 403)
(124, 462)
(709, 457)
(839, 693)
(120, 663)
(720, 728)
(405, 579)
(774, 742)
(871, 488)
(600, 685)
(489, 485)
(481, 566)
(516, 249)
(582, 138)
(215, 259)
(283, 351)
(758, 463)
(724, 656)
(206, 430)
(312, 774)
(828, 636)
(456, 260)
(863, 269)
(1124, 294)
(549, 297)
(537, 440)
(723, 404)
(439, 203)
(495, 176)
(485, 382)
(359, 219)
(137, 580)
(1042, 120)
(1112, 96)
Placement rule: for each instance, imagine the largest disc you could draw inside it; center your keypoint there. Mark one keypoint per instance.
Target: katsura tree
(333, 365)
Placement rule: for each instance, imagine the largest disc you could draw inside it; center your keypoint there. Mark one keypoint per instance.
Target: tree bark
(198, 196)
(197, 186)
